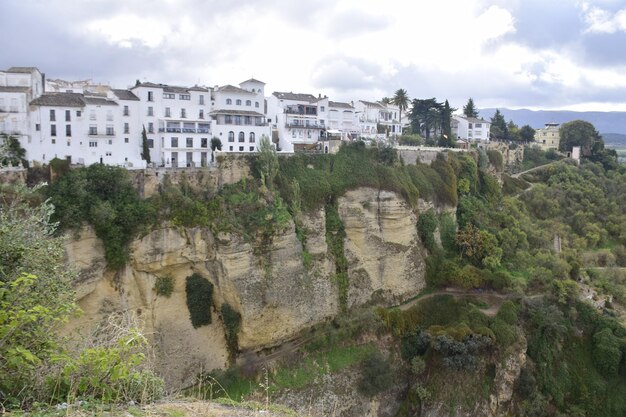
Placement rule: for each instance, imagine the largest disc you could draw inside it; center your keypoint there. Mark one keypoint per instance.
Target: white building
(18, 86)
(238, 116)
(470, 129)
(342, 118)
(299, 121)
(378, 121)
(85, 129)
(177, 123)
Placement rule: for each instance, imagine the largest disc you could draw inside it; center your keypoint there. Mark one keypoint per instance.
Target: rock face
(275, 292)
(384, 252)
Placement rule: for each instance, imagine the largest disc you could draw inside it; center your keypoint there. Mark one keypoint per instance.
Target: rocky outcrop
(384, 253)
(275, 292)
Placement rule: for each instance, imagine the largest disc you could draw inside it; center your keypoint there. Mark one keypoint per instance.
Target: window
(125, 140)
(256, 104)
(69, 143)
(126, 128)
(469, 125)
(54, 141)
(241, 149)
(251, 148)
(93, 144)
(247, 120)
(150, 111)
(183, 113)
(478, 125)
(92, 115)
(150, 96)
(126, 112)
(201, 99)
(322, 109)
(228, 119)
(237, 120)
(150, 143)
(68, 130)
(185, 96)
(168, 113)
(52, 116)
(204, 142)
(93, 129)
(174, 142)
(252, 138)
(110, 131)
(150, 127)
(238, 102)
(53, 130)
(37, 127)
(242, 137)
(229, 101)
(68, 116)
(201, 114)
(248, 103)
(230, 148)
(231, 138)
(78, 113)
(190, 142)
(108, 153)
(169, 95)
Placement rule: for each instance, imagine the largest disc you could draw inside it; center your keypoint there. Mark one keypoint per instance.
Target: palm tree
(401, 99)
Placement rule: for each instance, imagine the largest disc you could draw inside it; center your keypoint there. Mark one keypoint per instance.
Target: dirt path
(493, 299)
(537, 168)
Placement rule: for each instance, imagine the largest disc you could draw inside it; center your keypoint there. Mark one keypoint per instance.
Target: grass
(320, 363)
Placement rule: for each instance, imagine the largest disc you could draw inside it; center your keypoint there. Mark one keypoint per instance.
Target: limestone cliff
(276, 294)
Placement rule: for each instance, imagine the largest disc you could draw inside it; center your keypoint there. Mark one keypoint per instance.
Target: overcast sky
(550, 54)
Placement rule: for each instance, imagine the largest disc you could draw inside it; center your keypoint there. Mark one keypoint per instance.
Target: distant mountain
(614, 122)
(616, 140)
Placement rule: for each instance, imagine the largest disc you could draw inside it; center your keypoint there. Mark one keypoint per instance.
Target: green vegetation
(376, 374)
(232, 323)
(104, 197)
(11, 152)
(164, 286)
(199, 292)
(36, 297)
(426, 226)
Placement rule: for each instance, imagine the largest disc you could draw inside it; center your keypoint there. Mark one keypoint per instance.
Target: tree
(401, 99)
(11, 152)
(425, 116)
(145, 149)
(578, 133)
(469, 110)
(446, 124)
(499, 129)
(216, 144)
(35, 288)
(386, 100)
(268, 162)
(527, 133)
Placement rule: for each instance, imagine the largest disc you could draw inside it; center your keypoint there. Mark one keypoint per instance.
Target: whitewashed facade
(470, 129)
(238, 116)
(378, 121)
(342, 119)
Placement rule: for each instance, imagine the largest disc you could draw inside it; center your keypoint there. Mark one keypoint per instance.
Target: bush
(377, 375)
(495, 159)
(232, 323)
(164, 286)
(606, 352)
(414, 343)
(199, 299)
(426, 226)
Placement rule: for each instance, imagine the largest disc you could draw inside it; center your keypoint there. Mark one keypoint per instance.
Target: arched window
(229, 101)
(248, 103)
(238, 102)
(231, 136)
(251, 137)
(242, 137)
(256, 104)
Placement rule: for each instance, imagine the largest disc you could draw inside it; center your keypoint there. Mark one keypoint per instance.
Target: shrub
(232, 323)
(495, 159)
(377, 374)
(414, 343)
(426, 226)
(164, 286)
(199, 299)
(606, 352)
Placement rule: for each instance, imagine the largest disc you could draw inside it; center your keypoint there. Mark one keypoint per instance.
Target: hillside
(353, 284)
(612, 122)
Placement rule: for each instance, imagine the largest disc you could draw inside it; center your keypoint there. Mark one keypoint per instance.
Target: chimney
(319, 95)
(137, 83)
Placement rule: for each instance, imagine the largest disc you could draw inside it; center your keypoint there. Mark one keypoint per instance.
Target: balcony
(300, 125)
(202, 130)
(189, 130)
(170, 129)
(301, 110)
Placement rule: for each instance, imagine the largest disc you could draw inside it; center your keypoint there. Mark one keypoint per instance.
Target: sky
(537, 54)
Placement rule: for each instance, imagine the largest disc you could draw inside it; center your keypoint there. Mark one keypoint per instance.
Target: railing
(202, 130)
(170, 129)
(298, 111)
(189, 130)
(305, 126)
